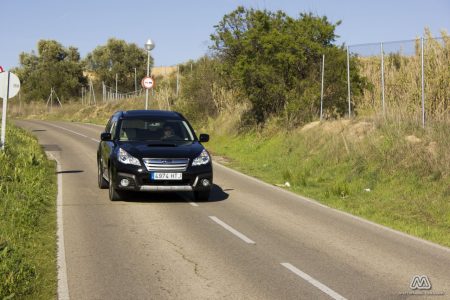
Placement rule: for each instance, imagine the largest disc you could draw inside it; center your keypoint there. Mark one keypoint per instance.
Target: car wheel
(102, 183)
(114, 195)
(202, 195)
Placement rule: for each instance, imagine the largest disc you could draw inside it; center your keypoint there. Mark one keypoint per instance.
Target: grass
(27, 219)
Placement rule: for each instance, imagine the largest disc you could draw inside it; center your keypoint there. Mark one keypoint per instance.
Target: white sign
(147, 83)
(13, 84)
(9, 87)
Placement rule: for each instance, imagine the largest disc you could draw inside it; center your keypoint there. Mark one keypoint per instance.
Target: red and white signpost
(147, 83)
(9, 87)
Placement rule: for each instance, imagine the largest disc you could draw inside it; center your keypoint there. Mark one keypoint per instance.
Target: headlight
(126, 158)
(202, 159)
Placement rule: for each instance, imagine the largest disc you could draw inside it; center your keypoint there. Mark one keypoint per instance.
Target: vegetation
(403, 81)
(27, 219)
(275, 61)
(53, 67)
(119, 58)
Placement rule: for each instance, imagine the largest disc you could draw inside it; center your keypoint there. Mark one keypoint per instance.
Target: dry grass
(403, 82)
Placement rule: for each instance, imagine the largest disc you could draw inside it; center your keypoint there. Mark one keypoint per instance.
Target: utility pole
(116, 85)
(135, 81)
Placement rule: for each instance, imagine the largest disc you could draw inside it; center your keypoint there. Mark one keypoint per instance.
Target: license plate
(166, 176)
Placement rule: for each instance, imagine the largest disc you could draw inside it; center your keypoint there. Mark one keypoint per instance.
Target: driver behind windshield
(169, 133)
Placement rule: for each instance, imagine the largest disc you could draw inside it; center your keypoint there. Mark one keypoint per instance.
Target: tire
(114, 195)
(202, 195)
(102, 183)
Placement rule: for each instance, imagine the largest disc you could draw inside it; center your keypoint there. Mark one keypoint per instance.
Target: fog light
(124, 182)
(205, 182)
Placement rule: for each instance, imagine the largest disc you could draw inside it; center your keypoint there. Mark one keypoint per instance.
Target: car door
(107, 147)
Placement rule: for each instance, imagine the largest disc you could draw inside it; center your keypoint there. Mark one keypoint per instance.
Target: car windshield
(155, 130)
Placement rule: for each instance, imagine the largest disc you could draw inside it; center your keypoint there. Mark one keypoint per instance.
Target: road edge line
(360, 219)
(63, 287)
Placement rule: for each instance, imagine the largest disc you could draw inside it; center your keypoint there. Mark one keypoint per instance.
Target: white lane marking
(313, 281)
(74, 132)
(315, 202)
(188, 200)
(63, 287)
(232, 230)
(92, 124)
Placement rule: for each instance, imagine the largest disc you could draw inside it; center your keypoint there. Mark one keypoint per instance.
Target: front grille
(166, 164)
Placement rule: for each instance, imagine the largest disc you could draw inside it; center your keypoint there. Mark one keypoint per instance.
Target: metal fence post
(382, 79)
(423, 84)
(93, 93)
(321, 88)
(135, 81)
(178, 79)
(348, 84)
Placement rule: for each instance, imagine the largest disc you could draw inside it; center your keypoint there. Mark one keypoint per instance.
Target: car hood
(150, 150)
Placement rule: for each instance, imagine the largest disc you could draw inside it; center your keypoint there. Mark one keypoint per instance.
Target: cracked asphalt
(159, 246)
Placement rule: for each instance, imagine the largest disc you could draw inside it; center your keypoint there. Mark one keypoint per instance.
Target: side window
(113, 128)
(108, 126)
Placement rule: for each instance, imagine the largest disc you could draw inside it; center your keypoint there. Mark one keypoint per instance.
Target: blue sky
(181, 29)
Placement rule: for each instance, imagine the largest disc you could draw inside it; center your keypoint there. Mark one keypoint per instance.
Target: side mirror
(105, 136)
(204, 138)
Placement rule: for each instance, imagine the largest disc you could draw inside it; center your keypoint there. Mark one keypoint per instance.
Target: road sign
(147, 83)
(9, 87)
(8, 79)
(1, 69)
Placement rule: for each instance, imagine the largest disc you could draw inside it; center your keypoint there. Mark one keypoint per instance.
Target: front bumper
(193, 179)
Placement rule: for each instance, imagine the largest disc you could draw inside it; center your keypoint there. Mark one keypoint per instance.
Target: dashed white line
(313, 281)
(95, 140)
(193, 204)
(232, 230)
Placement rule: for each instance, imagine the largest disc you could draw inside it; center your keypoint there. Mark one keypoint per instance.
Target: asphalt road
(251, 241)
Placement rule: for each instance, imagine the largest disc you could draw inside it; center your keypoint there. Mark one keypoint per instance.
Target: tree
(197, 92)
(117, 57)
(53, 67)
(275, 59)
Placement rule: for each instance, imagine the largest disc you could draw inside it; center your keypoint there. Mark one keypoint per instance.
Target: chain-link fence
(405, 79)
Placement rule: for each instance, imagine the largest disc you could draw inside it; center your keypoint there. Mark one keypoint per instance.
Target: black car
(153, 151)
